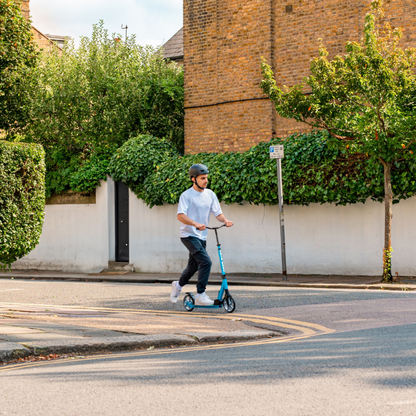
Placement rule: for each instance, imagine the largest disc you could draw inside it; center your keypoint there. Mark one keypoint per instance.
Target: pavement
(30, 332)
(241, 279)
(33, 332)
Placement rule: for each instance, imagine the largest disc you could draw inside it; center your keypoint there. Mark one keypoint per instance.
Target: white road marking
(8, 290)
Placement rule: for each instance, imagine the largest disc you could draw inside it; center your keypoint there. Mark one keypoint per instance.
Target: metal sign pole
(277, 152)
(282, 218)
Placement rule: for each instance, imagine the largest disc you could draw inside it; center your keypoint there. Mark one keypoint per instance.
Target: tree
(86, 101)
(17, 55)
(365, 99)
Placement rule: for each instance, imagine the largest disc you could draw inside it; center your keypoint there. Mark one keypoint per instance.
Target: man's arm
(187, 221)
(221, 218)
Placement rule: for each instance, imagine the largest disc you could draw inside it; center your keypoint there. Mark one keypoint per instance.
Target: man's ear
(193, 179)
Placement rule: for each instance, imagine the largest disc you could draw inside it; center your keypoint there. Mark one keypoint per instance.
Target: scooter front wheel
(229, 304)
(189, 302)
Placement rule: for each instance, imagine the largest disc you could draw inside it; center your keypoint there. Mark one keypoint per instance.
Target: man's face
(202, 181)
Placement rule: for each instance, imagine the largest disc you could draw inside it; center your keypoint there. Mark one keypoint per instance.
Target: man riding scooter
(195, 207)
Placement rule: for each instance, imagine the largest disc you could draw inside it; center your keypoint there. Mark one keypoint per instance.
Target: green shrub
(22, 199)
(313, 172)
(89, 174)
(138, 158)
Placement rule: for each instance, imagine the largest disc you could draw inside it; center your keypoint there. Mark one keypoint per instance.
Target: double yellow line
(305, 329)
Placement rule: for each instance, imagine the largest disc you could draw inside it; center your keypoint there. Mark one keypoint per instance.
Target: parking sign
(276, 152)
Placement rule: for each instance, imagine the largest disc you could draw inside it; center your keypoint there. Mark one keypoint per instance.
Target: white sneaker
(203, 299)
(176, 291)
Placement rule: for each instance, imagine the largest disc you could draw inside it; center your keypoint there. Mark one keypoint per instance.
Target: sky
(153, 21)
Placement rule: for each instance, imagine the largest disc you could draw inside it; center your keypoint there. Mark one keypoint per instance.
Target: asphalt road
(366, 367)
(156, 296)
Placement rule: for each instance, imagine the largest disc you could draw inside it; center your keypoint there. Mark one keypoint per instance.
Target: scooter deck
(216, 305)
(206, 306)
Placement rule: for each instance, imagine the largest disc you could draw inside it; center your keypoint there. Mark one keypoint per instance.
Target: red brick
(223, 45)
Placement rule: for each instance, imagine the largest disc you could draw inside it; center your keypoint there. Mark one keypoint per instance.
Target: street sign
(276, 152)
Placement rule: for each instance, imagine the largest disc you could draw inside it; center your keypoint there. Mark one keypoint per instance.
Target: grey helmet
(196, 170)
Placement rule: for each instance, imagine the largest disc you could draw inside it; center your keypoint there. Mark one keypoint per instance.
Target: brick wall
(224, 41)
(41, 40)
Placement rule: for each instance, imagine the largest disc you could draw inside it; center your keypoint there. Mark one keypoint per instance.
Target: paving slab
(12, 330)
(20, 326)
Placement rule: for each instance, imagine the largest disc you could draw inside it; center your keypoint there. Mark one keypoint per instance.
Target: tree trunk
(388, 215)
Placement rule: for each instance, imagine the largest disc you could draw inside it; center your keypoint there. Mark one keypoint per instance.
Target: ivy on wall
(313, 172)
(138, 158)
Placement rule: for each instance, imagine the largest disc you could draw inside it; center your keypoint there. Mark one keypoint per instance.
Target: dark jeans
(198, 260)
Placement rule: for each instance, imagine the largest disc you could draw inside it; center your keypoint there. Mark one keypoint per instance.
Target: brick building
(223, 42)
(43, 41)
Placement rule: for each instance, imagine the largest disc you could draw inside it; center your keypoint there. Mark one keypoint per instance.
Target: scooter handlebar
(214, 228)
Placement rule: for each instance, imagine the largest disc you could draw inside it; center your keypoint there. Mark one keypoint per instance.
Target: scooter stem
(221, 261)
(219, 249)
(216, 236)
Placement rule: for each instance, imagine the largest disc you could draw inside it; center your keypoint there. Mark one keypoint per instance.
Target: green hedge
(22, 199)
(313, 172)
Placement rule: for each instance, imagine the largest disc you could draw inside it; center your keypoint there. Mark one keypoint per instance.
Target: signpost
(277, 152)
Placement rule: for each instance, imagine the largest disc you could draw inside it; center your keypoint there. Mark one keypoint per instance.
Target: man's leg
(189, 271)
(204, 267)
(198, 260)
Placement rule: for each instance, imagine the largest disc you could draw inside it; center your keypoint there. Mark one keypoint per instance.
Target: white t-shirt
(198, 206)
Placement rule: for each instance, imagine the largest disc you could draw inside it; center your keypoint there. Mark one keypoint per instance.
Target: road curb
(93, 345)
(11, 351)
(232, 336)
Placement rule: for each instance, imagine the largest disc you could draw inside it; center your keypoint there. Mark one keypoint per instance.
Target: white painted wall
(75, 238)
(320, 239)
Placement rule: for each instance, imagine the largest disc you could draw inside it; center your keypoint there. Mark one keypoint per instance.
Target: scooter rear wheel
(229, 304)
(187, 301)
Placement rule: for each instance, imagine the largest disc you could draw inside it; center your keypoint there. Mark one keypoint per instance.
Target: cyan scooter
(224, 298)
